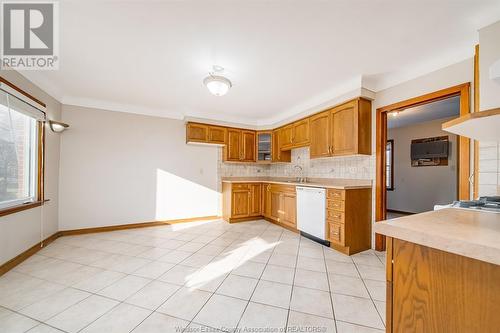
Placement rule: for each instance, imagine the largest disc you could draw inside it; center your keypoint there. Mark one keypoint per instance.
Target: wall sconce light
(57, 126)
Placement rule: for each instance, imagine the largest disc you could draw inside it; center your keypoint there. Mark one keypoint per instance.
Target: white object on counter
(438, 207)
(311, 205)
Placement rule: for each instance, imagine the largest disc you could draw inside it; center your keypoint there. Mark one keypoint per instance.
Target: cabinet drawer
(336, 194)
(335, 216)
(283, 188)
(240, 187)
(335, 205)
(336, 233)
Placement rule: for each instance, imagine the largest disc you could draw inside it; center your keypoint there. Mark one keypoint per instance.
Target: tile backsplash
(489, 168)
(351, 167)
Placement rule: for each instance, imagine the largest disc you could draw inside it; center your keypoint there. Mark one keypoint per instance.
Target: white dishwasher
(311, 205)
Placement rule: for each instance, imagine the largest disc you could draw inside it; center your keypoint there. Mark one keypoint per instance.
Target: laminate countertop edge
(475, 237)
(307, 184)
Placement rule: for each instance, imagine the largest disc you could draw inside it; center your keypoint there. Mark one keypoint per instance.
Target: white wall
(489, 52)
(489, 152)
(120, 168)
(418, 189)
(20, 231)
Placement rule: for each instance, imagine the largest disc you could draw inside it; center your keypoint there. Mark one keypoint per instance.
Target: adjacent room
(422, 159)
(249, 166)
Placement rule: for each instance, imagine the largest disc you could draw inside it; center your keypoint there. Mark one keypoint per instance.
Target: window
(19, 151)
(389, 165)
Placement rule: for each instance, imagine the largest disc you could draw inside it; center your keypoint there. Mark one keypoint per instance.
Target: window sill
(20, 208)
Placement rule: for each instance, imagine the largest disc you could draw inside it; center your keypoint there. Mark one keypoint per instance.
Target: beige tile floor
(193, 277)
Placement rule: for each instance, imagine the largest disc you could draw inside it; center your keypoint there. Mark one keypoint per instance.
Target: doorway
(462, 92)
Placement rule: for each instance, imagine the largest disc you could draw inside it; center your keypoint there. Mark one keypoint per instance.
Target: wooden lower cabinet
(288, 207)
(349, 222)
(348, 212)
(255, 200)
(245, 201)
(433, 291)
(241, 201)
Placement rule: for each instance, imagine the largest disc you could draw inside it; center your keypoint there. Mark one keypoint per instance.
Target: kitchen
(227, 179)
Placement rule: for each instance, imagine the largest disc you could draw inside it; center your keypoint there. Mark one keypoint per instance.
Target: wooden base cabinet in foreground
(433, 291)
(348, 219)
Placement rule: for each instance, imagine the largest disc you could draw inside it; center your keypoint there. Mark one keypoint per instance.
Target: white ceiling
(445, 108)
(150, 57)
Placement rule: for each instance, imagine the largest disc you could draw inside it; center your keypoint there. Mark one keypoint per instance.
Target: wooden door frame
(462, 90)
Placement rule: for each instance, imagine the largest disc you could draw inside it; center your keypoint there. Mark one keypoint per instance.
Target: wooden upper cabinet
(295, 135)
(232, 151)
(248, 146)
(277, 154)
(343, 130)
(352, 128)
(343, 125)
(286, 137)
(216, 134)
(320, 135)
(300, 136)
(196, 133)
(203, 133)
(240, 146)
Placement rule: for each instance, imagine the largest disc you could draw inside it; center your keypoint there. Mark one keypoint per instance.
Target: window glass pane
(18, 151)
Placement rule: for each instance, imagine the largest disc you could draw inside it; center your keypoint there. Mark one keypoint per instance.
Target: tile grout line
(258, 281)
(192, 321)
(330, 292)
(95, 294)
(151, 280)
(368, 291)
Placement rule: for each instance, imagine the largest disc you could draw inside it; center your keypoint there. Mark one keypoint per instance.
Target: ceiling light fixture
(57, 126)
(395, 113)
(217, 84)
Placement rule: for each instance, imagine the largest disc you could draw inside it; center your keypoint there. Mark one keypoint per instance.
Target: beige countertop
(468, 233)
(337, 183)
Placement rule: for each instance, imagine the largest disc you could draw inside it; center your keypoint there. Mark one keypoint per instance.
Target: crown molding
(363, 85)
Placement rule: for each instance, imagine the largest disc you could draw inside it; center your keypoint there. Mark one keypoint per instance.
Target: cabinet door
(276, 205)
(320, 135)
(279, 155)
(344, 129)
(289, 210)
(216, 134)
(336, 233)
(248, 146)
(267, 200)
(196, 132)
(301, 133)
(240, 203)
(286, 137)
(255, 200)
(233, 147)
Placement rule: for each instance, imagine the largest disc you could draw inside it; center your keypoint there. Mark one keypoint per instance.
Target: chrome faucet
(300, 178)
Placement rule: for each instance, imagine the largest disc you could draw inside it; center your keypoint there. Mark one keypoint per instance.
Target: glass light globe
(217, 85)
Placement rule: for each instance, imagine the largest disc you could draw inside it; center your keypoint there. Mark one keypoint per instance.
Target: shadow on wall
(178, 198)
